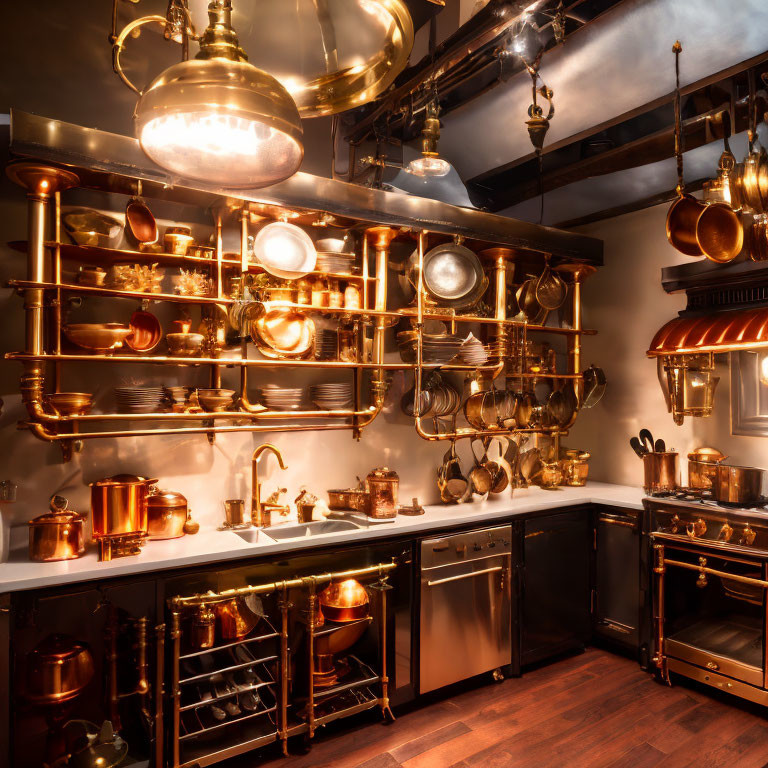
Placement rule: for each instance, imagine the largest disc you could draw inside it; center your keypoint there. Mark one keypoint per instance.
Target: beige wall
(626, 303)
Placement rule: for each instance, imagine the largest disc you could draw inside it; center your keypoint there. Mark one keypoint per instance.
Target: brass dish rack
(282, 715)
(68, 161)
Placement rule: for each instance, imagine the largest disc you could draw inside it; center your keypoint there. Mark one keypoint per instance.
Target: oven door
(711, 609)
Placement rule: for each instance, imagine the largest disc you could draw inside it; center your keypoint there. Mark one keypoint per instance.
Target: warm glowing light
(429, 166)
(220, 148)
(764, 369)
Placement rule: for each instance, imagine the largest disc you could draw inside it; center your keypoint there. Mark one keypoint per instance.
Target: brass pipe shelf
(116, 293)
(205, 416)
(95, 254)
(507, 323)
(263, 363)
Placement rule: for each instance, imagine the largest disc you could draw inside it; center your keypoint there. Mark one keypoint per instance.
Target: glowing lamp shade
(428, 165)
(220, 121)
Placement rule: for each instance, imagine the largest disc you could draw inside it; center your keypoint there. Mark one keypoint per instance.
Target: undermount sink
(302, 531)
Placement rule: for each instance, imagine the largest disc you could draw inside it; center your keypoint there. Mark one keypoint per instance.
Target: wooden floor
(595, 709)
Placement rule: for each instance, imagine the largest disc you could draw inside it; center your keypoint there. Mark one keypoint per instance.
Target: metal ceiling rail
(112, 162)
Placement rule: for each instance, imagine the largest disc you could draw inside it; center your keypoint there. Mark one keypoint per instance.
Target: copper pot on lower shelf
(345, 601)
(166, 514)
(236, 619)
(58, 534)
(57, 670)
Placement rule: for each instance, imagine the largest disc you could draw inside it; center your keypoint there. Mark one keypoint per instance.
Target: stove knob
(725, 533)
(748, 536)
(697, 529)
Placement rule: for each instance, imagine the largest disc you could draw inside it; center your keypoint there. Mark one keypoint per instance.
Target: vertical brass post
(500, 313)
(111, 654)
(580, 272)
(311, 616)
(56, 314)
(382, 237)
(384, 704)
(244, 241)
(285, 668)
(159, 693)
(175, 684)
(659, 569)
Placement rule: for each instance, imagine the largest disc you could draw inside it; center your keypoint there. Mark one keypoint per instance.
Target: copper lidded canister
(119, 505)
(202, 631)
(166, 514)
(58, 534)
(702, 467)
(382, 485)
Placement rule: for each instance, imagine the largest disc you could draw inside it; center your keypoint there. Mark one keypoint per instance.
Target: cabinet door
(617, 576)
(556, 584)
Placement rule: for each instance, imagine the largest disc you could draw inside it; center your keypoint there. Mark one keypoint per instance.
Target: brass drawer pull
(713, 572)
(461, 576)
(713, 665)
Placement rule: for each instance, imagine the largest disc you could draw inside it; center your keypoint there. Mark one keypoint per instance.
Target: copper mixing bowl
(345, 601)
(57, 670)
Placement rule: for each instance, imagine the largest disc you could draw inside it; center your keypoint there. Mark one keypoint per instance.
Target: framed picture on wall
(749, 393)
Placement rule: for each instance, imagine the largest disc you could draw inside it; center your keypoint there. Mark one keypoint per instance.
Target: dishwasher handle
(495, 569)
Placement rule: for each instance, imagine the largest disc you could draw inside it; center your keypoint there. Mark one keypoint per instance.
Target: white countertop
(211, 545)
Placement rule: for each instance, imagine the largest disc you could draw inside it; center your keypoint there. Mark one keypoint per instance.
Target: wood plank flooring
(593, 710)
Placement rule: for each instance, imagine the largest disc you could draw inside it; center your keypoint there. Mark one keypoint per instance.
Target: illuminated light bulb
(426, 165)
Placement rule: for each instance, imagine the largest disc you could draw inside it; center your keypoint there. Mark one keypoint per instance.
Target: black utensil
(660, 446)
(637, 446)
(646, 438)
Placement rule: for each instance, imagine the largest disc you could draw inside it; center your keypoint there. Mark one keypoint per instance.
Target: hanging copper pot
(57, 670)
(236, 619)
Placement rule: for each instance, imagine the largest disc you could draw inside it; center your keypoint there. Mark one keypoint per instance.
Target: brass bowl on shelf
(69, 403)
(283, 333)
(345, 601)
(87, 226)
(184, 344)
(145, 332)
(178, 240)
(215, 400)
(97, 337)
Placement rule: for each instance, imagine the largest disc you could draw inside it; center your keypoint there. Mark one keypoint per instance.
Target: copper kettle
(57, 670)
(236, 619)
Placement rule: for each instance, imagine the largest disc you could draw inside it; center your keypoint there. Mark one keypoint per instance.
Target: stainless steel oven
(465, 615)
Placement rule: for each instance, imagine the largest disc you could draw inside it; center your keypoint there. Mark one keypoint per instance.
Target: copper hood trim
(720, 332)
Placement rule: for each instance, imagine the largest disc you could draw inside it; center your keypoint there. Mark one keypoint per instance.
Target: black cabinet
(555, 584)
(617, 576)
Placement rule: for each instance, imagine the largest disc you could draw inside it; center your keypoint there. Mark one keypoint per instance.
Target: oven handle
(713, 572)
(495, 569)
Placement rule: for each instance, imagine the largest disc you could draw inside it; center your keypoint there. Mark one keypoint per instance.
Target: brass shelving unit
(285, 713)
(58, 157)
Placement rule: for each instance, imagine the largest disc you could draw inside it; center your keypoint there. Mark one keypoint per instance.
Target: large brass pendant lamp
(218, 118)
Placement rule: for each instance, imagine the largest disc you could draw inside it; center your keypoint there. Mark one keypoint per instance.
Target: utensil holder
(661, 472)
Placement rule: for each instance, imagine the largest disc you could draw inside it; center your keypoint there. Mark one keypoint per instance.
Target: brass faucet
(256, 512)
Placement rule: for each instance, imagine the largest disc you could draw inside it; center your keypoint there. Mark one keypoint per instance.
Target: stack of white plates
(341, 263)
(139, 399)
(282, 398)
(472, 351)
(331, 397)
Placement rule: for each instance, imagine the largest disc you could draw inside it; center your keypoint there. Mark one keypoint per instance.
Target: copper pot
(202, 631)
(350, 498)
(236, 619)
(661, 472)
(57, 670)
(339, 641)
(702, 467)
(57, 535)
(166, 514)
(345, 601)
(738, 485)
(119, 505)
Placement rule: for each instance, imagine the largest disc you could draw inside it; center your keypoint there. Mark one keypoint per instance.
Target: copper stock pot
(119, 505)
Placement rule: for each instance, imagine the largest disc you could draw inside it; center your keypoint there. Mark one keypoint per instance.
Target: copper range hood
(727, 331)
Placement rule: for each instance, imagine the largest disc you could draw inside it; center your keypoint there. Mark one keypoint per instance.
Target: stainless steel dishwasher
(465, 617)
